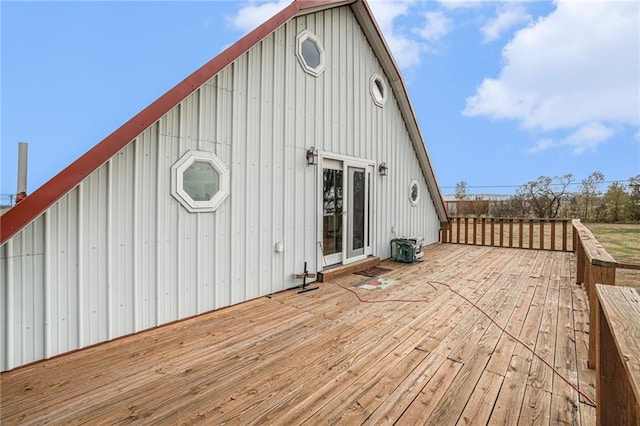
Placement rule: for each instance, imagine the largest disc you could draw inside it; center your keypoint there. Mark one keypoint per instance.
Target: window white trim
(301, 38)
(177, 187)
(378, 89)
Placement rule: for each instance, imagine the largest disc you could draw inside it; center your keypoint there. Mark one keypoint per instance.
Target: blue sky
(504, 92)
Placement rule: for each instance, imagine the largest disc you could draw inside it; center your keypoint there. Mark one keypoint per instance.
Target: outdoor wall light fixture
(312, 156)
(383, 169)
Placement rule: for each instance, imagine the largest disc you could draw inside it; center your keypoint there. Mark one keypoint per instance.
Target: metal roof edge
(374, 35)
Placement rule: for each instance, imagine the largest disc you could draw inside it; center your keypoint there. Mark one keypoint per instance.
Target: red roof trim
(35, 204)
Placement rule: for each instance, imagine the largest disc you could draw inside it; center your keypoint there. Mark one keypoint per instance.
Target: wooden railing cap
(595, 252)
(621, 308)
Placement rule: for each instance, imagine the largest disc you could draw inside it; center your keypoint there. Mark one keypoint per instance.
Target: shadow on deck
(413, 352)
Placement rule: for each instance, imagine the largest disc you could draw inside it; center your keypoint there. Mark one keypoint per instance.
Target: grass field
(623, 243)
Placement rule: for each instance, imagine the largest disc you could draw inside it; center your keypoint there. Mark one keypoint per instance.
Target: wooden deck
(420, 354)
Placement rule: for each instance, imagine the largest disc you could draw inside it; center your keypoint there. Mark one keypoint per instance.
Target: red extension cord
(555, 371)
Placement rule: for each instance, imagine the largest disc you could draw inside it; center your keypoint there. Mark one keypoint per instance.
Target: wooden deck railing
(614, 312)
(540, 234)
(617, 330)
(594, 265)
(614, 338)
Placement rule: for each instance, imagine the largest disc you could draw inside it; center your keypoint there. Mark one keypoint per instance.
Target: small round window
(310, 53)
(378, 89)
(414, 193)
(199, 181)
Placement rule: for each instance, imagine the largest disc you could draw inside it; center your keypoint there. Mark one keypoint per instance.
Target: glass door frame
(369, 205)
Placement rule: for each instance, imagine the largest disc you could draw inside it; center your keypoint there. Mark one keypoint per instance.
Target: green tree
(589, 196)
(615, 200)
(632, 206)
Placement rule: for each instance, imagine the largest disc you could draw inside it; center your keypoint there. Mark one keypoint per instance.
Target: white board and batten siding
(118, 254)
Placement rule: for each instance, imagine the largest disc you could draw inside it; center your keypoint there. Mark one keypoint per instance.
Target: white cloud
(508, 17)
(588, 137)
(408, 44)
(542, 145)
(405, 49)
(255, 13)
(460, 4)
(578, 66)
(437, 25)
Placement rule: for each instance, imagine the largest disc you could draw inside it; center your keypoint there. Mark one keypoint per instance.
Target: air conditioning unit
(407, 250)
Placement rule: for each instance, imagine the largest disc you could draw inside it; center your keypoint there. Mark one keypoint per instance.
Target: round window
(414, 193)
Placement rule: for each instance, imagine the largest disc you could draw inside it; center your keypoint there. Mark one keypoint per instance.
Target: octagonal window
(310, 53)
(378, 90)
(199, 181)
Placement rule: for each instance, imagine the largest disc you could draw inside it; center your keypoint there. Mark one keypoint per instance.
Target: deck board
(414, 353)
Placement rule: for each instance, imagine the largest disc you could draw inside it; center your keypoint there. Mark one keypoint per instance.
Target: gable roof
(35, 204)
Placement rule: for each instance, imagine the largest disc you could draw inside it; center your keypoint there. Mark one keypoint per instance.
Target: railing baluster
(520, 233)
(530, 233)
(466, 230)
(510, 232)
(493, 223)
(474, 230)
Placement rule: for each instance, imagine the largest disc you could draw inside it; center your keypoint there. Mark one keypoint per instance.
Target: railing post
(501, 232)
(444, 229)
(553, 234)
(578, 249)
(541, 234)
(530, 233)
(600, 274)
(458, 230)
(617, 329)
(564, 235)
